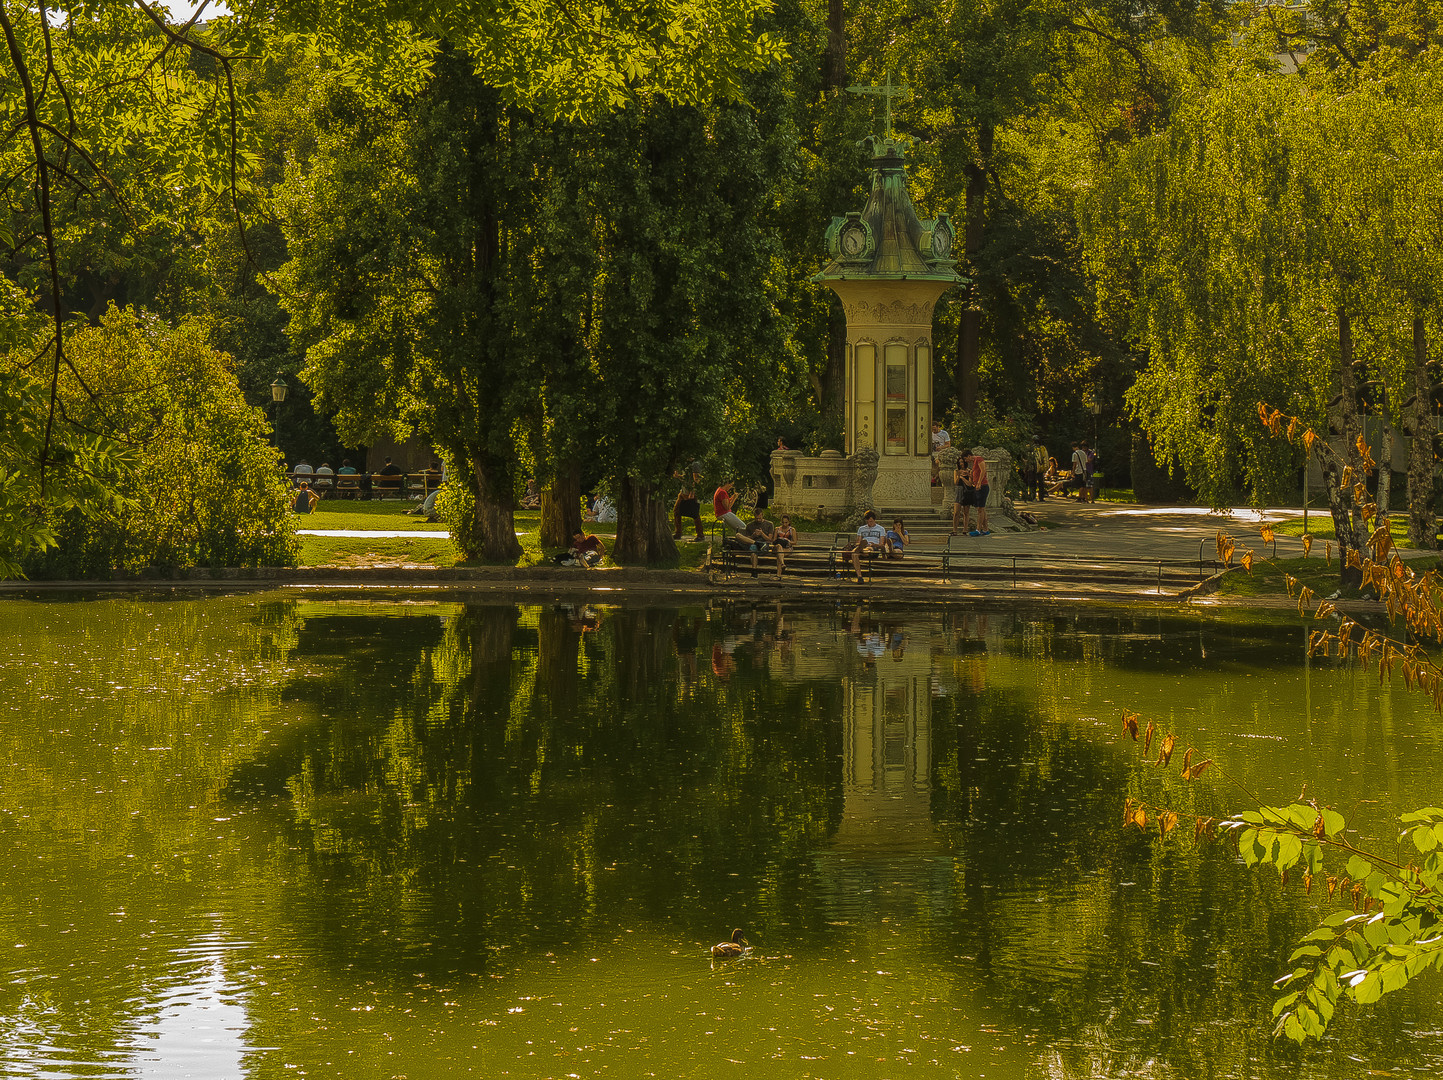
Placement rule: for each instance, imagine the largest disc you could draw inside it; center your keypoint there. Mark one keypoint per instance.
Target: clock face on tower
(941, 241)
(852, 240)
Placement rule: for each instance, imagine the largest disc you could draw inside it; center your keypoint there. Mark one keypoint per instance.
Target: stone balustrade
(813, 487)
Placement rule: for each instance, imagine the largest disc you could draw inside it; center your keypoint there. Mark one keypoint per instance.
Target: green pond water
(272, 836)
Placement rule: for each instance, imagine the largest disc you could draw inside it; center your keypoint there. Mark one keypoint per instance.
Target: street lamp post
(278, 395)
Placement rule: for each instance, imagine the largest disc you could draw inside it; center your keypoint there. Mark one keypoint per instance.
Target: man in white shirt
(940, 439)
(870, 537)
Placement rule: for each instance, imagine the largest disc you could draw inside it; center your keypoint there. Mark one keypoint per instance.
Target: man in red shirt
(586, 548)
(722, 503)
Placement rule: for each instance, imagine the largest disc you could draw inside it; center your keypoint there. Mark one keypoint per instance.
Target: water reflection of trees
(1132, 960)
(438, 792)
(542, 781)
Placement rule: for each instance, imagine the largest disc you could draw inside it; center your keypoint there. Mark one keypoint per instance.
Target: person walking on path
(1079, 469)
(1039, 467)
(687, 508)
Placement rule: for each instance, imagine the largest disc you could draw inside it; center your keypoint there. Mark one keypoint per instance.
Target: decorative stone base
(831, 486)
(902, 482)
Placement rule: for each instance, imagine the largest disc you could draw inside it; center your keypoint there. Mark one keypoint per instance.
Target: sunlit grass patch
(377, 551)
(1320, 526)
(1267, 577)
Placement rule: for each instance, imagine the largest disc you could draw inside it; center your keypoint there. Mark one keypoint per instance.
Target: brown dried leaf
(1266, 532)
(1129, 724)
(1147, 744)
(1165, 754)
(1167, 822)
(1327, 553)
(1308, 884)
(1307, 544)
(1248, 560)
(1309, 437)
(1332, 885)
(1203, 829)
(1326, 608)
(1197, 770)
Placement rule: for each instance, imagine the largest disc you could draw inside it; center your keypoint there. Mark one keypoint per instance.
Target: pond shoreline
(616, 582)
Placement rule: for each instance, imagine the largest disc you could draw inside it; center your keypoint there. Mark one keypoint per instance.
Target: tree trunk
(969, 330)
(643, 526)
(561, 506)
(558, 647)
(491, 630)
(834, 59)
(1422, 528)
(495, 515)
(1385, 476)
(1338, 506)
(1351, 428)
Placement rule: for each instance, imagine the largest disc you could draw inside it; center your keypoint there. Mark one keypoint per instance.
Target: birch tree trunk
(1385, 476)
(1351, 428)
(1422, 528)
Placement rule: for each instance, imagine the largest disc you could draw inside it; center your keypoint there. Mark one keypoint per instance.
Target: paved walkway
(1124, 530)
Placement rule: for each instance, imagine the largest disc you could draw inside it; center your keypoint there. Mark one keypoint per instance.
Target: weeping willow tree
(1278, 244)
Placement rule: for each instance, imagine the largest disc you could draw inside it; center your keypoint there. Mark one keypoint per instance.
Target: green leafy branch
(1390, 932)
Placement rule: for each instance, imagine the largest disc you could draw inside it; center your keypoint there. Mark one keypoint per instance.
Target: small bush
(203, 487)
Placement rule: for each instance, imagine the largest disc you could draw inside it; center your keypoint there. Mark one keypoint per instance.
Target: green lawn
(1267, 577)
(388, 517)
(356, 551)
(1320, 525)
(354, 514)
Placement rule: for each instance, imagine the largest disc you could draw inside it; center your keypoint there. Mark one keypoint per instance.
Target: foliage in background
(203, 488)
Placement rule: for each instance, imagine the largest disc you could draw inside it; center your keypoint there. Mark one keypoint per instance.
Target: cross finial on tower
(886, 92)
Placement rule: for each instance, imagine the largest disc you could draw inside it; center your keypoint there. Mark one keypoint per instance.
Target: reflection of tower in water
(885, 853)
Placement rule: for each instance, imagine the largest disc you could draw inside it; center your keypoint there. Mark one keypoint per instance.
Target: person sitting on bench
(758, 538)
(897, 539)
(870, 540)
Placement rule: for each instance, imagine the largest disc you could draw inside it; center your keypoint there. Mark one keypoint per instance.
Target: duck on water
(731, 950)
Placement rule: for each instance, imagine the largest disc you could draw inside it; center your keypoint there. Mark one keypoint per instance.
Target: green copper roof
(886, 240)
